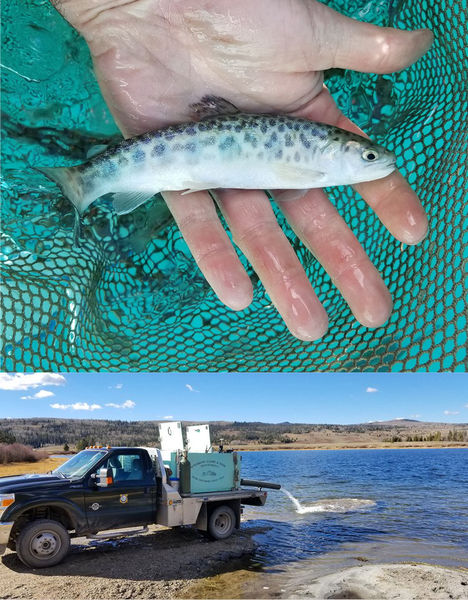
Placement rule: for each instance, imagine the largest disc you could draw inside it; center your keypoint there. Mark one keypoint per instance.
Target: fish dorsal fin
(125, 202)
(212, 106)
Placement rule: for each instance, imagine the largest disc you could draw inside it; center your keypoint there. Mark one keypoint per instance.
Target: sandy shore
(182, 563)
(388, 582)
(163, 563)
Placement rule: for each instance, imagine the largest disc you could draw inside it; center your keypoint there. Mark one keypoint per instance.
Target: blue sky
(269, 397)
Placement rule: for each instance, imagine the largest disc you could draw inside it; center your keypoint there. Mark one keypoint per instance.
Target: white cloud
(191, 388)
(126, 404)
(371, 390)
(451, 412)
(117, 386)
(76, 406)
(39, 394)
(26, 381)
(168, 417)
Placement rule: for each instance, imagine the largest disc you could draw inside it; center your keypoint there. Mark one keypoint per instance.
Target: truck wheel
(42, 543)
(221, 523)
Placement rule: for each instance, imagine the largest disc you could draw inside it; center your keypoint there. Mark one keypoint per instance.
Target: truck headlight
(5, 501)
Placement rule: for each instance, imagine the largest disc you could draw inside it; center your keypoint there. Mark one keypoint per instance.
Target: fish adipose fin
(95, 150)
(212, 106)
(125, 202)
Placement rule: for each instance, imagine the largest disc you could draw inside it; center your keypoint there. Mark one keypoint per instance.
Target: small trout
(225, 149)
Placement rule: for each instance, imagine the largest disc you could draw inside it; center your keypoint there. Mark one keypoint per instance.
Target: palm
(153, 58)
(157, 73)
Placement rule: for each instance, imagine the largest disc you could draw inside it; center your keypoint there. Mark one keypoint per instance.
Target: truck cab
(105, 489)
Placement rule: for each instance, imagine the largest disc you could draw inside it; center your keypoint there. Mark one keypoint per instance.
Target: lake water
(357, 506)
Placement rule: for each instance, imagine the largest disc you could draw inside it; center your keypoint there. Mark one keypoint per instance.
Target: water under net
(130, 297)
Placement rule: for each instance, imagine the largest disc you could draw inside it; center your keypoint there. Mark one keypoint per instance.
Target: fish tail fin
(70, 181)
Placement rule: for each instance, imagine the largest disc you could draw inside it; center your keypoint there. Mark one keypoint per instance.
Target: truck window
(82, 462)
(126, 467)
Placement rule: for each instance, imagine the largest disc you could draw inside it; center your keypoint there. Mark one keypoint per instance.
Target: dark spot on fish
(158, 150)
(346, 148)
(263, 127)
(297, 126)
(170, 135)
(190, 131)
(139, 155)
(227, 143)
(304, 140)
(202, 126)
(122, 160)
(238, 128)
(279, 154)
(272, 122)
(289, 124)
(288, 141)
(191, 147)
(273, 139)
(146, 139)
(108, 167)
(297, 156)
(177, 147)
(281, 127)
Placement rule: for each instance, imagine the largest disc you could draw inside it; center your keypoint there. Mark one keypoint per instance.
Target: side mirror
(104, 477)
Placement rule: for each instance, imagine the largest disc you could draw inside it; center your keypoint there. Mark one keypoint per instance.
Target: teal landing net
(131, 298)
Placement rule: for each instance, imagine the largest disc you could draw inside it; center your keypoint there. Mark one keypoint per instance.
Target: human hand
(154, 58)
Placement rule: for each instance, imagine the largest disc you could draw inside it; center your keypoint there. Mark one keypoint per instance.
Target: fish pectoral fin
(125, 202)
(300, 177)
(211, 106)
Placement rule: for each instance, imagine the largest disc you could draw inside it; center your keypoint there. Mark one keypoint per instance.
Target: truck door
(130, 500)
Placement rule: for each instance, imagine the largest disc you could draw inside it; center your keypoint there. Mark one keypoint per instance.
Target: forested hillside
(42, 432)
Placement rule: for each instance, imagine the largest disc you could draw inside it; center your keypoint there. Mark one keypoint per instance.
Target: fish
(223, 148)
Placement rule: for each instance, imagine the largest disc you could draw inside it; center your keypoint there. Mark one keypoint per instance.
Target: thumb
(369, 48)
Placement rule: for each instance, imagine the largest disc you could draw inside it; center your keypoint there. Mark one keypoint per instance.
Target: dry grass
(21, 468)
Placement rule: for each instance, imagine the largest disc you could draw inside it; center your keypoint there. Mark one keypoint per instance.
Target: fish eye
(370, 155)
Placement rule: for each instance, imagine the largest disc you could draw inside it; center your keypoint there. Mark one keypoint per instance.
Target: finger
(318, 224)
(395, 203)
(195, 214)
(350, 44)
(255, 230)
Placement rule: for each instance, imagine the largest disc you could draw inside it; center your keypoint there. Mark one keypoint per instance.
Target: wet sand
(389, 582)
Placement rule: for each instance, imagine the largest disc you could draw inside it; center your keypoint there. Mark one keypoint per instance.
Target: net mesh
(130, 298)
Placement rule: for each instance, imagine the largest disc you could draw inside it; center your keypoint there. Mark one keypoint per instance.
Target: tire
(221, 523)
(42, 543)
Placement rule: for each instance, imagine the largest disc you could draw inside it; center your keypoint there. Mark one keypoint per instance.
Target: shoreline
(350, 447)
(49, 463)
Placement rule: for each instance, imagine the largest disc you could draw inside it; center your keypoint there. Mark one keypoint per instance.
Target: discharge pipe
(261, 484)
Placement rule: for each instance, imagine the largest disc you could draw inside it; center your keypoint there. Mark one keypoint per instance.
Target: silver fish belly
(233, 151)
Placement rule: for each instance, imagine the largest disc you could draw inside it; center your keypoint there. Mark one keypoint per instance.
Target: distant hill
(43, 432)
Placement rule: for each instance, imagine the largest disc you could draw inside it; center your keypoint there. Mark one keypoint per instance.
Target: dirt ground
(162, 563)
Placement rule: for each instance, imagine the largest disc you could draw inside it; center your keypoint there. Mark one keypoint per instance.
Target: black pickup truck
(108, 489)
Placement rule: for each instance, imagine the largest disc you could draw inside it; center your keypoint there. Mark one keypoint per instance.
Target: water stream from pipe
(338, 505)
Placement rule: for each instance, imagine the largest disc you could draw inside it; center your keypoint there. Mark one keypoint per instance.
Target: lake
(358, 506)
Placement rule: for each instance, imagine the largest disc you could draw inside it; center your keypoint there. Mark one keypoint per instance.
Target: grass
(22, 468)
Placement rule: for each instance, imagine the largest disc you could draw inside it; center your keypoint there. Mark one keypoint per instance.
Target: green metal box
(210, 471)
